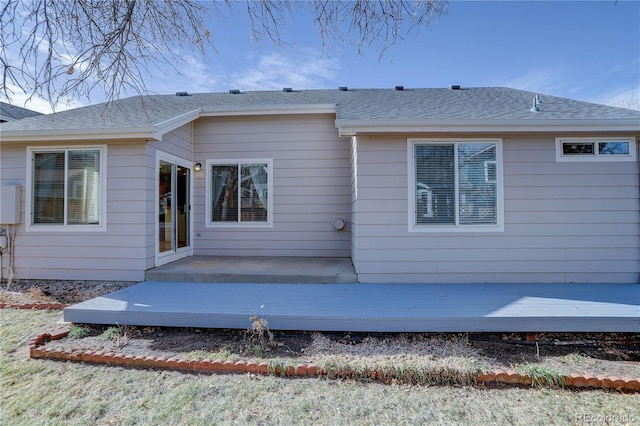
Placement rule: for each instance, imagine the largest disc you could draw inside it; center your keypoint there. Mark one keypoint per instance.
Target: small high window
(595, 149)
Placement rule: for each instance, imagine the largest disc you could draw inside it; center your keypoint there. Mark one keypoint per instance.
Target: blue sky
(583, 50)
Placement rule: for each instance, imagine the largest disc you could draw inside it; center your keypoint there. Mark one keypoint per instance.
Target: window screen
(456, 183)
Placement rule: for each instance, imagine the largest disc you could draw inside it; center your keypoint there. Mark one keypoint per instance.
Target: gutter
(354, 127)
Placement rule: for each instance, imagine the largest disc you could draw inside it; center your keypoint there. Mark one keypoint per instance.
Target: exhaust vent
(234, 91)
(454, 87)
(182, 94)
(287, 89)
(343, 88)
(399, 88)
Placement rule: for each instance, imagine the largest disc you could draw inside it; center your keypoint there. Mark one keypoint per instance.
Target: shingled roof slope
(361, 105)
(10, 112)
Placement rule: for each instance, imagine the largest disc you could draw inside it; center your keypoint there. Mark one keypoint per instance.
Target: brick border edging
(301, 370)
(37, 306)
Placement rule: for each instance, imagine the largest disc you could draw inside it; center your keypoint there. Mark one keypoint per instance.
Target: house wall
(564, 222)
(311, 179)
(118, 253)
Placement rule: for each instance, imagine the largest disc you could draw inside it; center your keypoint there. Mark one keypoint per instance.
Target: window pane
(477, 190)
(435, 184)
(613, 148)
(254, 192)
(577, 148)
(224, 188)
(48, 187)
(83, 187)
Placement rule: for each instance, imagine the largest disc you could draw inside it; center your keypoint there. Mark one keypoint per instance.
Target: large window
(455, 185)
(66, 189)
(239, 192)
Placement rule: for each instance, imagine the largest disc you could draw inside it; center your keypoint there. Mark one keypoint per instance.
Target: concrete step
(277, 270)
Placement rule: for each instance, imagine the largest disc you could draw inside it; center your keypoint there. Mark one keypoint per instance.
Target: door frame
(177, 253)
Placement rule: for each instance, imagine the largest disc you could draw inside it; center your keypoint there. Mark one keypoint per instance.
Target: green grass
(541, 375)
(76, 332)
(41, 392)
(111, 333)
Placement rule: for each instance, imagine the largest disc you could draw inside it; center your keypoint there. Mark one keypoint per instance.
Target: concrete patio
(236, 269)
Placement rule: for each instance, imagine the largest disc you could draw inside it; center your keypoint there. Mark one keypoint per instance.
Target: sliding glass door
(174, 209)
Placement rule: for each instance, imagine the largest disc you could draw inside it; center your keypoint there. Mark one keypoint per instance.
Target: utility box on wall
(10, 204)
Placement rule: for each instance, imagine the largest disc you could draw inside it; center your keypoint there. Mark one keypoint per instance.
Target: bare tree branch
(60, 49)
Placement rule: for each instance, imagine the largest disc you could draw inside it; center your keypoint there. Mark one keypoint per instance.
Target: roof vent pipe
(534, 106)
(399, 88)
(538, 100)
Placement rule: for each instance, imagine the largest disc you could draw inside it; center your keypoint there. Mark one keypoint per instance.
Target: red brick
(35, 353)
(217, 365)
(486, 378)
(301, 370)
(631, 383)
(613, 382)
(252, 367)
(263, 368)
(59, 333)
(240, 366)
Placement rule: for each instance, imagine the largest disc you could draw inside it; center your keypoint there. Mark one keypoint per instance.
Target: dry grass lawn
(39, 392)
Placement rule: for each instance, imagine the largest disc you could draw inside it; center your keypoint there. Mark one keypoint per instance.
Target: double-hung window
(239, 193)
(66, 189)
(455, 185)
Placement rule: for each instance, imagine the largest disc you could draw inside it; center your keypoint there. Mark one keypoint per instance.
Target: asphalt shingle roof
(10, 112)
(362, 105)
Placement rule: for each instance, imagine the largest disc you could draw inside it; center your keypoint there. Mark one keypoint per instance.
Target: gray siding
(564, 222)
(117, 254)
(311, 178)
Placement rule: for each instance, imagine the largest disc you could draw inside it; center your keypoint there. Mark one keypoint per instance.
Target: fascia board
(351, 128)
(175, 122)
(80, 134)
(270, 110)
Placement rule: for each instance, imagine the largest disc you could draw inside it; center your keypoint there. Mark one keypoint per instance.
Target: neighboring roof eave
(353, 127)
(269, 110)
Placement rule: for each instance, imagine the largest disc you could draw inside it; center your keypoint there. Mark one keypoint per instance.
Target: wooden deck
(371, 307)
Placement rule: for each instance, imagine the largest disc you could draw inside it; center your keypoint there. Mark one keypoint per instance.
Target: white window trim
(36, 227)
(171, 255)
(207, 199)
(447, 228)
(595, 157)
